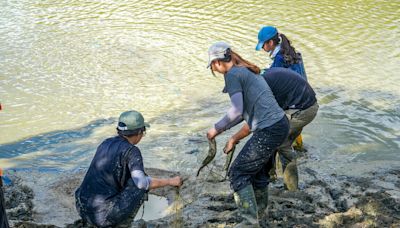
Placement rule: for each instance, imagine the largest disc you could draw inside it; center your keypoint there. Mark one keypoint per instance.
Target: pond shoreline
(325, 200)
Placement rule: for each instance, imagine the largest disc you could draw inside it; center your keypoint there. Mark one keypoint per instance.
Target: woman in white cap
(252, 101)
(115, 184)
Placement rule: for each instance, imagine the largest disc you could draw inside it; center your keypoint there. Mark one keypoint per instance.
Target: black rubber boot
(247, 205)
(262, 202)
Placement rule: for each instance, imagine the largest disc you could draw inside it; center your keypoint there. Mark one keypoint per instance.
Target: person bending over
(115, 185)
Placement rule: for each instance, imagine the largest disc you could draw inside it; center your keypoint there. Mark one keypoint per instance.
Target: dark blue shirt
(291, 91)
(279, 61)
(109, 171)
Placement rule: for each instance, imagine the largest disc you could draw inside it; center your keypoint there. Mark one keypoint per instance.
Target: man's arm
(160, 182)
(145, 182)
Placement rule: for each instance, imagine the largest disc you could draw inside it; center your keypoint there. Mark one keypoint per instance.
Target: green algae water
(69, 68)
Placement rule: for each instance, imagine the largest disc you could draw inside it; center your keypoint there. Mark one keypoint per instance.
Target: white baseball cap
(217, 51)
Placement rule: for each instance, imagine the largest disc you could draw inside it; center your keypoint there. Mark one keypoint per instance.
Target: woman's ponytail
(290, 55)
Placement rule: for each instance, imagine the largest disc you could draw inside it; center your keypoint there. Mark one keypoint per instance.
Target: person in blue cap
(280, 50)
(284, 55)
(116, 185)
(252, 100)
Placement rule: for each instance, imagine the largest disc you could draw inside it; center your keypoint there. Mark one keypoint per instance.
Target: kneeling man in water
(115, 184)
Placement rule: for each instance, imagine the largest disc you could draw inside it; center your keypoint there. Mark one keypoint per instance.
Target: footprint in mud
(221, 208)
(287, 205)
(225, 219)
(222, 198)
(222, 203)
(335, 193)
(379, 203)
(194, 151)
(297, 195)
(377, 209)
(32, 225)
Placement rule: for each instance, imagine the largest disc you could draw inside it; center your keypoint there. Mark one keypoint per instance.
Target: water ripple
(66, 63)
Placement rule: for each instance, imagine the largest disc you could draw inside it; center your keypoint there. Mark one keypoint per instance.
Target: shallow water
(69, 68)
(155, 208)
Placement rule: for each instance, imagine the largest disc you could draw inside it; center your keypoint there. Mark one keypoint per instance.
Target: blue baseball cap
(266, 33)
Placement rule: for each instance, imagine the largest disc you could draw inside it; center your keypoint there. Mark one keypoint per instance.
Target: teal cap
(131, 120)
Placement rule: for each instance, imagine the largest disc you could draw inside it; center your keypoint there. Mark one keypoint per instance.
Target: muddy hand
(229, 146)
(212, 133)
(176, 181)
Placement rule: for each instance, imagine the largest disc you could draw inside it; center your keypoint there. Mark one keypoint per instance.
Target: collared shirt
(275, 52)
(279, 61)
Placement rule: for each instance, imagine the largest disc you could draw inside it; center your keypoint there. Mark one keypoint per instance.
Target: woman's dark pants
(252, 164)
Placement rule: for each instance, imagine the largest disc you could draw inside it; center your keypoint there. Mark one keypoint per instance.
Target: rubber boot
(298, 143)
(247, 205)
(291, 177)
(272, 173)
(262, 202)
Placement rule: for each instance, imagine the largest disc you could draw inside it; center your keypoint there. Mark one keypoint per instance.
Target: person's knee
(238, 181)
(95, 220)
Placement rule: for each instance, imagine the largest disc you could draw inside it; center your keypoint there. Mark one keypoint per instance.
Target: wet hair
(130, 133)
(239, 61)
(290, 55)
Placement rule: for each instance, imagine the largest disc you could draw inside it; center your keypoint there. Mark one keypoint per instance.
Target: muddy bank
(325, 200)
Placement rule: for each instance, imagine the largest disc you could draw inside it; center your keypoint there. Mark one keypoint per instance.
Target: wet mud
(324, 200)
(18, 200)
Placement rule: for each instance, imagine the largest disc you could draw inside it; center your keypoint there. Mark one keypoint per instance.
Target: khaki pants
(287, 156)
